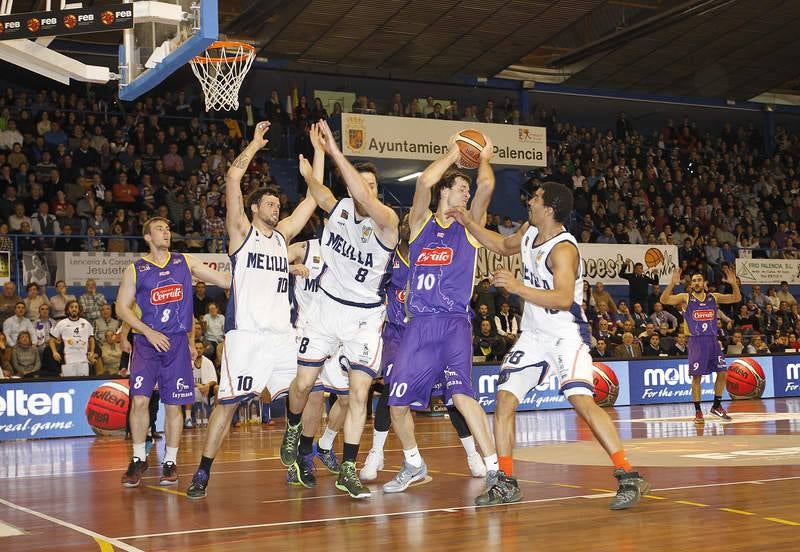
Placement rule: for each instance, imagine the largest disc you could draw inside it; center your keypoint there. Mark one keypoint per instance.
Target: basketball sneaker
(500, 489)
(349, 482)
(720, 412)
(698, 418)
(476, 465)
(169, 474)
(632, 487)
(291, 438)
(328, 458)
(198, 487)
(133, 477)
(405, 477)
(372, 464)
(301, 473)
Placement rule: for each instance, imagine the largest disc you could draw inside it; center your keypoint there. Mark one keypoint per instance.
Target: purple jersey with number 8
(164, 293)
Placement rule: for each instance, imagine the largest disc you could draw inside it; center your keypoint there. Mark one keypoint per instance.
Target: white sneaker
(476, 465)
(372, 464)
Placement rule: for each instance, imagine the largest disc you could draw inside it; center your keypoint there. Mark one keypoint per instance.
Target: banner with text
(768, 271)
(426, 139)
(107, 268)
(601, 262)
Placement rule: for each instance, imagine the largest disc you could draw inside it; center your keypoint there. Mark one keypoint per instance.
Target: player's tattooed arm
(670, 298)
(502, 245)
(236, 221)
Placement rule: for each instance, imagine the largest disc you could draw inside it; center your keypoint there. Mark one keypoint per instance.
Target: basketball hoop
(221, 72)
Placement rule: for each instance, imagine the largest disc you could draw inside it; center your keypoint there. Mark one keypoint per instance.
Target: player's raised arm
(485, 184)
(208, 275)
(383, 215)
(670, 298)
(564, 263)
(727, 298)
(236, 222)
(425, 184)
(126, 297)
(493, 241)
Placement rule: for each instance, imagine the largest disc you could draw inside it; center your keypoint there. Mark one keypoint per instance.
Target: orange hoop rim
(248, 52)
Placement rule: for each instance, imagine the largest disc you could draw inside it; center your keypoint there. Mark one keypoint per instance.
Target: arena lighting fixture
(409, 176)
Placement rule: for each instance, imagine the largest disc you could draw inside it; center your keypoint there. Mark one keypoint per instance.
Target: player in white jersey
(357, 245)
(77, 335)
(305, 292)
(555, 335)
(259, 338)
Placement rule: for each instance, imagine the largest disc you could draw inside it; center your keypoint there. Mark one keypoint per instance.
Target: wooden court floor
(728, 487)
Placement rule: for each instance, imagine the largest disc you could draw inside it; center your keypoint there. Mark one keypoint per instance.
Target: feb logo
(34, 25)
(107, 17)
(746, 379)
(606, 384)
(166, 294)
(435, 256)
(70, 21)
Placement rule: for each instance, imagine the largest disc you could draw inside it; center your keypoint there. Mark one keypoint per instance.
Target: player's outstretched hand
(461, 215)
(305, 167)
(328, 140)
(300, 270)
(159, 341)
(505, 279)
(676, 276)
(260, 134)
(729, 275)
(488, 150)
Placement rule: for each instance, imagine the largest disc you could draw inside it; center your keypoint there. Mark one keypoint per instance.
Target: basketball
(70, 21)
(606, 384)
(746, 379)
(470, 143)
(108, 407)
(653, 257)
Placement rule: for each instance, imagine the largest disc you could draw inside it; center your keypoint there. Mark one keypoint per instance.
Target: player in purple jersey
(392, 334)
(705, 353)
(161, 285)
(438, 339)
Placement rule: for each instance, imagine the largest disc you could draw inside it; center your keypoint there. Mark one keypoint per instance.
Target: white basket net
(221, 72)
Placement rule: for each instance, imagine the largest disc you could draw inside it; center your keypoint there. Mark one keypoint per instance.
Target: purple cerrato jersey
(396, 292)
(442, 269)
(701, 316)
(164, 294)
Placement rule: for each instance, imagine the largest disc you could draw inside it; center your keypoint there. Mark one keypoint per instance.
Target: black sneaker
(291, 438)
(632, 487)
(198, 487)
(301, 473)
(349, 482)
(169, 475)
(328, 459)
(500, 489)
(133, 477)
(720, 412)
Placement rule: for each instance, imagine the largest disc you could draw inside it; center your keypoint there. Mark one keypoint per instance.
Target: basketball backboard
(156, 38)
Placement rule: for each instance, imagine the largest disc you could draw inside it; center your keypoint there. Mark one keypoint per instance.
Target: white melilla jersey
(569, 324)
(259, 300)
(306, 290)
(356, 262)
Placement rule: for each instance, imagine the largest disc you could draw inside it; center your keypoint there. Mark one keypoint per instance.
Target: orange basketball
(470, 143)
(108, 406)
(746, 379)
(653, 257)
(606, 384)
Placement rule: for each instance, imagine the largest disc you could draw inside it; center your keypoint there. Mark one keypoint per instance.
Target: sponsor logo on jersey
(177, 261)
(166, 294)
(345, 215)
(435, 256)
(703, 315)
(366, 232)
(400, 295)
(144, 267)
(164, 273)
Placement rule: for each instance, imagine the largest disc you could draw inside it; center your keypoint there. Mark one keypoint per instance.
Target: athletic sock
(506, 464)
(293, 418)
(469, 445)
(379, 440)
(350, 452)
(413, 457)
(171, 455)
(306, 444)
(205, 464)
(491, 463)
(139, 451)
(697, 407)
(620, 461)
(325, 442)
(717, 401)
